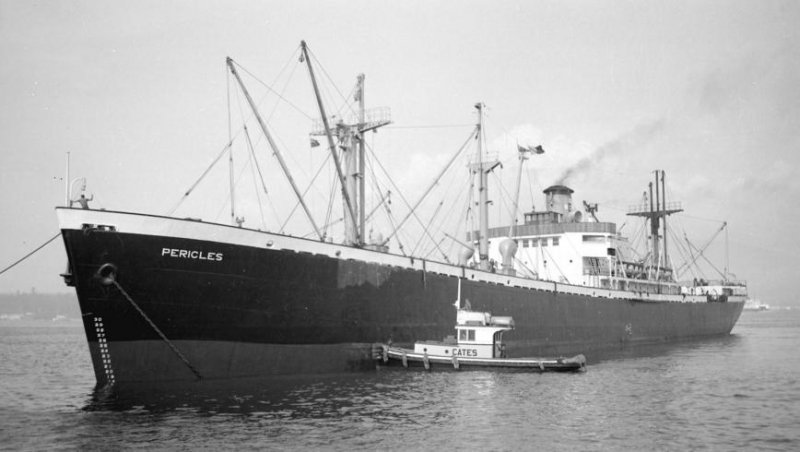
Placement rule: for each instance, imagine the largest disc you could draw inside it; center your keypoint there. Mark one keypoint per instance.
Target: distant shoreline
(33, 305)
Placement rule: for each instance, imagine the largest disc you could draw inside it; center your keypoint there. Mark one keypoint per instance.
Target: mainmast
(483, 168)
(658, 210)
(362, 165)
(351, 172)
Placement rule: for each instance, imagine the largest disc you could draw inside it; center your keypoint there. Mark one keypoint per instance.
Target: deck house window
(544, 242)
(462, 335)
(470, 335)
(555, 241)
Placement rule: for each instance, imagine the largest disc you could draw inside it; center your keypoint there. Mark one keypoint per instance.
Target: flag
(534, 150)
(314, 143)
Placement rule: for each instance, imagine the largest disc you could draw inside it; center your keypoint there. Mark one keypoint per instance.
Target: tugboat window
(471, 335)
(462, 335)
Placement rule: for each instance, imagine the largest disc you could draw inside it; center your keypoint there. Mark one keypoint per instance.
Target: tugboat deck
(389, 355)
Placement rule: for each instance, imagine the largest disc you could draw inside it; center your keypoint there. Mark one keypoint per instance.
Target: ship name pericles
(191, 254)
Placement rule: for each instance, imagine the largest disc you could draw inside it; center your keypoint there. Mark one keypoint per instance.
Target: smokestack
(558, 198)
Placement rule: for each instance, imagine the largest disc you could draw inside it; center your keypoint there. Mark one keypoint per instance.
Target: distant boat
(11, 316)
(754, 304)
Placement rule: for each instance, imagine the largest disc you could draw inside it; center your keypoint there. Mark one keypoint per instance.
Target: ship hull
(192, 299)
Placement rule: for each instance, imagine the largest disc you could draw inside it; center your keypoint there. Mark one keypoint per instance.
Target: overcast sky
(708, 91)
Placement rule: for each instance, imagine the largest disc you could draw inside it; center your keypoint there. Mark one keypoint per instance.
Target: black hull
(235, 310)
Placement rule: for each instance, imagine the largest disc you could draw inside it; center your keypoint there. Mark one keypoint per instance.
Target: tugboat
(478, 344)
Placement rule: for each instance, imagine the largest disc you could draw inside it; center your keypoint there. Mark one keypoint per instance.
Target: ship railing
(645, 207)
(716, 282)
(373, 118)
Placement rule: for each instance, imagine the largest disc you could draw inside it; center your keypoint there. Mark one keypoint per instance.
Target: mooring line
(30, 254)
(158, 331)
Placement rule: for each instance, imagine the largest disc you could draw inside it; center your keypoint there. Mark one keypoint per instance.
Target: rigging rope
(269, 88)
(412, 212)
(432, 126)
(435, 181)
(325, 72)
(202, 176)
(254, 165)
(386, 207)
(30, 254)
(310, 185)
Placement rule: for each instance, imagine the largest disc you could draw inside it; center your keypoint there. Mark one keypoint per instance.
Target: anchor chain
(110, 278)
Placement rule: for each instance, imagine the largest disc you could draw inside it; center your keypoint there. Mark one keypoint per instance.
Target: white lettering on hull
(191, 254)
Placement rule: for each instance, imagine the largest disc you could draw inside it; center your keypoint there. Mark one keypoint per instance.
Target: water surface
(739, 392)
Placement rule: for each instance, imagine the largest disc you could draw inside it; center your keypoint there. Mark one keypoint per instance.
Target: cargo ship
(171, 299)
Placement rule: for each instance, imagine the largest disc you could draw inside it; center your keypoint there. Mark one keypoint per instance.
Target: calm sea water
(734, 393)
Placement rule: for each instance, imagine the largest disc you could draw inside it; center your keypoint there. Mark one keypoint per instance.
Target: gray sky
(136, 91)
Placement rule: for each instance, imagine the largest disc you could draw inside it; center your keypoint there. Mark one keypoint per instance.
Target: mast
(664, 207)
(362, 174)
(274, 147)
(513, 229)
(353, 237)
(483, 169)
(654, 214)
(657, 227)
(512, 232)
(66, 184)
(727, 262)
(232, 184)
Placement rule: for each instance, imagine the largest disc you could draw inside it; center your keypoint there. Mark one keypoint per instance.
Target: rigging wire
(386, 205)
(331, 198)
(230, 140)
(202, 176)
(433, 217)
(254, 158)
(449, 213)
(235, 184)
(30, 254)
(325, 72)
(269, 88)
(412, 211)
(310, 185)
(254, 166)
(230, 154)
(452, 206)
(431, 126)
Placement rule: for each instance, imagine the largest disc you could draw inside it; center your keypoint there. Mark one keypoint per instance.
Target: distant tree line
(40, 305)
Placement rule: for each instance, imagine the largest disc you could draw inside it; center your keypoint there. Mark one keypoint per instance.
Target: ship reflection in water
(731, 392)
(386, 390)
(667, 396)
